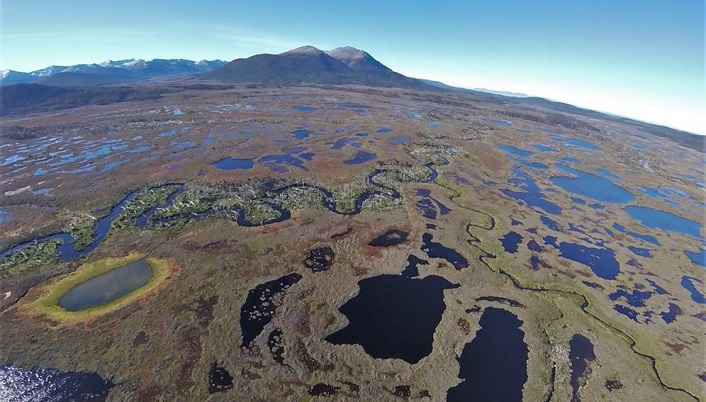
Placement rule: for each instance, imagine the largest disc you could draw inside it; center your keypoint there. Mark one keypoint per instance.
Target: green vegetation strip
(47, 304)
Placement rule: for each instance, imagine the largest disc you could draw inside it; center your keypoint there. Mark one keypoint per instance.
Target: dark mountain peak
(309, 65)
(304, 50)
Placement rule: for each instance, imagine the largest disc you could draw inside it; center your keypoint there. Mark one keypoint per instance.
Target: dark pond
(389, 238)
(551, 224)
(593, 285)
(47, 384)
(494, 363)
(261, 304)
(532, 245)
(591, 186)
(536, 262)
(688, 283)
(671, 314)
(107, 287)
(654, 218)
(342, 142)
(438, 250)
(360, 157)
(322, 389)
(233, 164)
(428, 205)
(636, 298)
(515, 151)
(511, 241)
(642, 252)
(412, 268)
(658, 289)
(219, 379)
(285, 159)
(276, 346)
(626, 311)
(384, 130)
(301, 133)
(319, 259)
(394, 316)
(601, 260)
(697, 257)
(580, 354)
(531, 194)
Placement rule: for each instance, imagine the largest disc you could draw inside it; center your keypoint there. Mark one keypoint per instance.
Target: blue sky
(637, 58)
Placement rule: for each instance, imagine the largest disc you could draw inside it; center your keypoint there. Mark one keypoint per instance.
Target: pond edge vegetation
(46, 304)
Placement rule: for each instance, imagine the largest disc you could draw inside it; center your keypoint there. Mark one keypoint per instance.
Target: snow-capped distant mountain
(14, 77)
(45, 72)
(110, 72)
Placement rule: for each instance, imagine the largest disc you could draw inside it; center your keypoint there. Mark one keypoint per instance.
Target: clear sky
(637, 58)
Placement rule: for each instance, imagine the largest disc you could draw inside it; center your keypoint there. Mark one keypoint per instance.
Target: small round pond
(107, 287)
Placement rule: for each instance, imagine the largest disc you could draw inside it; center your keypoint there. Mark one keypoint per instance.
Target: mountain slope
(30, 98)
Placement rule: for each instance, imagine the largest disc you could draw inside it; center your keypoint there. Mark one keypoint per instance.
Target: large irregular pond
(107, 287)
(654, 218)
(494, 363)
(589, 185)
(261, 304)
(47, 384)
(580, 354)
(394, 316)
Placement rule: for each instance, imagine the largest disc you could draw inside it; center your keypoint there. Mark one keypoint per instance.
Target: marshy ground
(579, 243)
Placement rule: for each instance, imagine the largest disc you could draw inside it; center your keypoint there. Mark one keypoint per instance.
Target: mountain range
(61, 87)
(110, 72)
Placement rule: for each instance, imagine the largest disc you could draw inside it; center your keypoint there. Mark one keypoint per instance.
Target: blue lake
(515, 151)
(574, 142)
(5, 216)
(601, 260)
(531, 194)
(697, 257)
(689, 283)
(635, 298)
(233, 164)
(384, 130)
(511, 241)
(654, 218)
(535, 165)
(108, 286)
(591, 186)
(642, 252)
